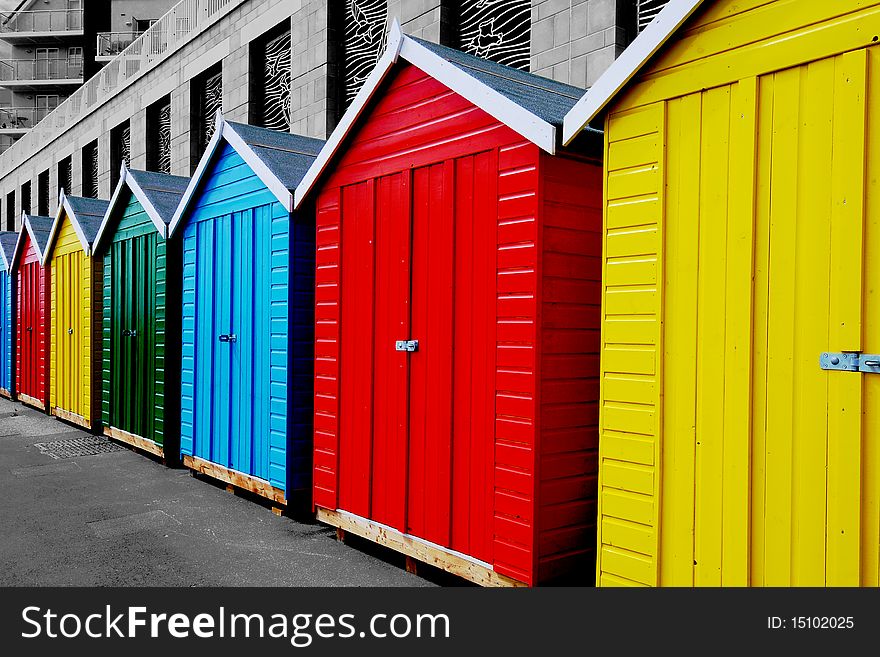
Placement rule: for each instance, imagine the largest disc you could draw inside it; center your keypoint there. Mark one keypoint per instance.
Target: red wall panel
(32, 327)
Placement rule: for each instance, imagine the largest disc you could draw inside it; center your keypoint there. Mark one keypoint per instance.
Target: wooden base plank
(5, 393)
(73, 418)
(241, 480)
(135, 441)
(31, 401)
(415, 548)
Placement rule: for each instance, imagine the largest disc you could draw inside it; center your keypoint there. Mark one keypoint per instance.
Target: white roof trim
(64, 207)
(225, 131)
(519, 119)
(371, 84)
(127, 180)
(624, 69)
(6, 263)
(26, 226)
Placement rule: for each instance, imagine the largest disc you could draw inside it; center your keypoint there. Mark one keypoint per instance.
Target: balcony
(41, 26)
(40, 74)
(15, 121)
(110, 44)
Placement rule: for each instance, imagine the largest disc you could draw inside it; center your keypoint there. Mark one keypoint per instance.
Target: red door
(417, 427)
(30, 330)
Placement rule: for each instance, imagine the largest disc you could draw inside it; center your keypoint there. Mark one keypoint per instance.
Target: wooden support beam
(135, 441)
(240, 480)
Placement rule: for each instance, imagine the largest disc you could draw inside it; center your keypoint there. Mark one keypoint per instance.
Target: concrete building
(51, 46)
(285, 64)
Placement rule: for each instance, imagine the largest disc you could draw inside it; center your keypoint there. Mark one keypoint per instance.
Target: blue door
(5, 331)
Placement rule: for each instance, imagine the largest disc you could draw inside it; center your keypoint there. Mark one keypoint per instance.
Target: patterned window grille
(26, 197)
(43, 201)
(364, 26)
(65, 175)
(120, 147)
(499, 30)
(159, 139)
(210, 99)
(90, 170)
(647, 10)
(273, 97)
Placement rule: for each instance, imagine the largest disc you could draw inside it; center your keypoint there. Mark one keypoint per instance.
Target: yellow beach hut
(740, 390)
(76, 293)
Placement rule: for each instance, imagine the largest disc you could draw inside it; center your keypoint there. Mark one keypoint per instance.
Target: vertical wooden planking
(845, 393)
(204, 336)
(810, 415)
(870, 476)
(676, 540)
(356, 353)
(712, 290)
(738, 313)
(189, 334)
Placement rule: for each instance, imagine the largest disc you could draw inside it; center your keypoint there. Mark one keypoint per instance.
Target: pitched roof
(158, 194)
(38, 228)
(279, 159)
(531, 105)
(625, 67)
(85, 214)
(7, 247)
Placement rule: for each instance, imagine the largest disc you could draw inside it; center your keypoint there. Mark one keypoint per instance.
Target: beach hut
(77, 291)
(456, 319)
(32, 311)
(248, 313)
(740, 398)
(140, 387)
(8, 240)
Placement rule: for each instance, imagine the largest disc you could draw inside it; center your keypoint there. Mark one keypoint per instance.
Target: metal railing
(182, 23)
(27, 70)
(42, 20)
(111, 44)
(22, 118)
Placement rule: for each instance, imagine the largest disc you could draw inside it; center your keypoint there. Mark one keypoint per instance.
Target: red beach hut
(457, 319)
(32, 316)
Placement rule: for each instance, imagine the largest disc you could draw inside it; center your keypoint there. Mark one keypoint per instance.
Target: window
(26, 197)
(90, 170)
(499, 31)
(142, 25)
(65, 175)
(10, 211)
(159, 136)
(207, 98)
(646, 11)
(46, 64)
(362, 43)
(44, 105)
(120, 148)
(270, 75)
(74, 62)
(43, 200)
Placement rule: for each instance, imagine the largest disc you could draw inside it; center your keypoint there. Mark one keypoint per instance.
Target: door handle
(406, 345)
(70, 331)
(228, 337)
(30, 328)
(126, 333)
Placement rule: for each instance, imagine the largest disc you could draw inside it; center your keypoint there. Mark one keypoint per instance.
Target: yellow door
(69, 332)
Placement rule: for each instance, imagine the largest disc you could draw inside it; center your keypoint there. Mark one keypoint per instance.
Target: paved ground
(121, 519)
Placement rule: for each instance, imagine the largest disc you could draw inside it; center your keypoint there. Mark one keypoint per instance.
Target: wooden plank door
(29, 285)
(5, 330)
(67, 270)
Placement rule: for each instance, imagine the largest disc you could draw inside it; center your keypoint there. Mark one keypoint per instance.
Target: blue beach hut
(7, 248)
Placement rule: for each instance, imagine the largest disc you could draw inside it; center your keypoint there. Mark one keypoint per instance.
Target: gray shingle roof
(7, 243)
(162, 190)
(89, 214)
(41, 226)
(545, 98)
(287, 156)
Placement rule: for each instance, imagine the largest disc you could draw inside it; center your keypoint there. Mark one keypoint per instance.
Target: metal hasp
(231, 337)
(850, 362)
(406, 345)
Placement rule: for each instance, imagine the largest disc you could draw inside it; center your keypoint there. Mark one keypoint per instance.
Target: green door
(133, 336)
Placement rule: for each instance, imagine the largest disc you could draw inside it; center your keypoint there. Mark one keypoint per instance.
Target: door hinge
(406, 345)
(850, 361)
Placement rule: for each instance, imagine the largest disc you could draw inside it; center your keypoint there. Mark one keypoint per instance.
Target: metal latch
(70, 331)
(406, 345)
(850, 361)
(231, 337)
(129, 334)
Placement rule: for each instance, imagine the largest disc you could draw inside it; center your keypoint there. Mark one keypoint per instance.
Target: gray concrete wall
(572, 41)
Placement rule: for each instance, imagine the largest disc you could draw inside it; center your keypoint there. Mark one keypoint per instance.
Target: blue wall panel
(240, 277)
(6, 331)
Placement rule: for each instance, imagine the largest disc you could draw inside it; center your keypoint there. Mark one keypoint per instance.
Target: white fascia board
(183, 206)
(514, 116)
(64, 207)
(19, 244)
(113, 200)
(625, 67)
(369, 88)
(40, 255)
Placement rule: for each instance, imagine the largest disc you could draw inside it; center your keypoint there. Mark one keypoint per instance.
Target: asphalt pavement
(120, 518)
